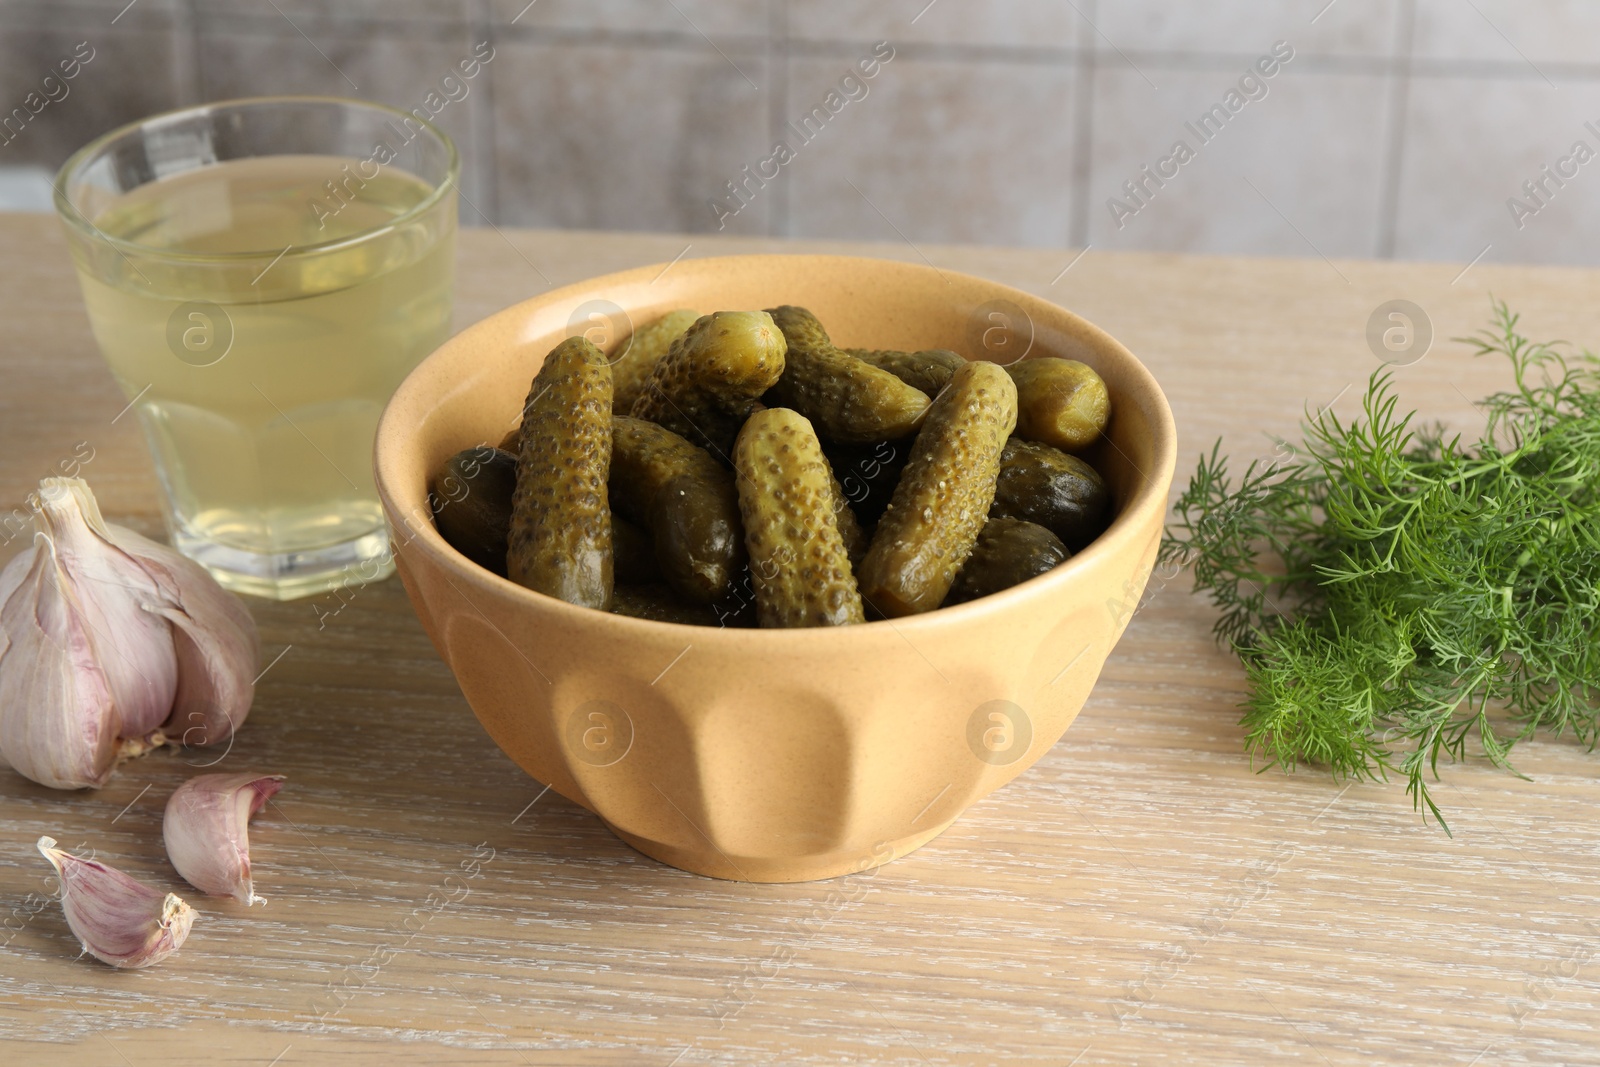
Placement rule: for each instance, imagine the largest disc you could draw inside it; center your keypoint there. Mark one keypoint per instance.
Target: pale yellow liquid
(266, 454)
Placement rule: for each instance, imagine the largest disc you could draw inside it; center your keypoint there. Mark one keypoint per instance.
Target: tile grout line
(1393, 149)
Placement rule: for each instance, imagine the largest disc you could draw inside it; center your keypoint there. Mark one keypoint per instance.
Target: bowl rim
(1149, 496)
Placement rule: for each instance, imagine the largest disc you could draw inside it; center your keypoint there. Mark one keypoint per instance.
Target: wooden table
(1139, 896)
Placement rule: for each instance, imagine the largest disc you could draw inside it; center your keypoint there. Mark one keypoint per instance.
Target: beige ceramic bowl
(774, 755)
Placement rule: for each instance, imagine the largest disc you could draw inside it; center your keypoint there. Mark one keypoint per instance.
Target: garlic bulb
(117, 918)
(206, 831)
(111, 644)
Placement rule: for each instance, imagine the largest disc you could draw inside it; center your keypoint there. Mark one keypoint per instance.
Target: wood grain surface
(1142, 895)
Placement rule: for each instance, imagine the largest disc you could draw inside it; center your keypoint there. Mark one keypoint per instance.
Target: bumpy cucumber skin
(798, 560)
(846, 399)
(927, 371)
(710, 380)
(560, 537)
(1058, 491)
(636, 357)
(1008, 553)
(944, 494)
(474, 494)
(1060, 402)
(686, 500)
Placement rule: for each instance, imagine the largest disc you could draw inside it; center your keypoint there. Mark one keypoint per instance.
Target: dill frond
(1396, 595)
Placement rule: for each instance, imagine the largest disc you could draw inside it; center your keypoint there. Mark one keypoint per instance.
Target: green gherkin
(927, 371)
(1060, 402)
(560, 537)
(846, 399)
(1054, 489)
(712, 377)
(944, 494)
(798, 559)
(636, 357)
(473, 495)
(686, 500)
(1008, 553)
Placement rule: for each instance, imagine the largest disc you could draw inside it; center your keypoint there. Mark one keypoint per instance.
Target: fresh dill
(1395, 594)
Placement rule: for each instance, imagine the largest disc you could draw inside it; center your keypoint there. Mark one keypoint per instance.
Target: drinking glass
(260, 274)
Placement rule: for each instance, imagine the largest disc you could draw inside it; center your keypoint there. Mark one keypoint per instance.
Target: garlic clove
(206, 829)
(59, 725)
(118, 598)
(214, 638)
(118, 919)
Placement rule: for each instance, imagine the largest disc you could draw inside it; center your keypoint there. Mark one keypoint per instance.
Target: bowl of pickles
(777, 563)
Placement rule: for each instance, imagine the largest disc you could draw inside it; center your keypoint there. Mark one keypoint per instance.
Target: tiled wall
(1397, 128)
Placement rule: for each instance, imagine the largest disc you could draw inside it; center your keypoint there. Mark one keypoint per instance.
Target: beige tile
(1470, 144)
(1512, 31)
(128, 76)
(717, 19)
(625, 138)
(399, 70)
(1041, 23)
(946, 151)
(1311, 147)
(1346, 27)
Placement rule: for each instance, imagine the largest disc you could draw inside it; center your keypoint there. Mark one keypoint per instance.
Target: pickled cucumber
(928, 370)
(1060, 402)
(1008, 552)
(944, 494)
(846, 399)
(560, 534)
(473, 500)
(1058, 491)
(798, 560)
(639, 353)
(710, 379)
(687, 502)
(658, 603)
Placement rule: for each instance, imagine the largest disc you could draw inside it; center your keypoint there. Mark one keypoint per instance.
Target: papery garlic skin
(215, 639)
(112, 644)
(118, 919)
(117, 596)
(206, 829)
(59, 725)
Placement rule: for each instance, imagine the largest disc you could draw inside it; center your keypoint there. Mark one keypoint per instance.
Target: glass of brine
(260, 275)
